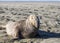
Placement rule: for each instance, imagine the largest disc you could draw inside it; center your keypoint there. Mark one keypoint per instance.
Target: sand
(49, 12)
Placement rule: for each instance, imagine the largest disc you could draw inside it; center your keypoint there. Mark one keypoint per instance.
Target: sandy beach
(49, 12)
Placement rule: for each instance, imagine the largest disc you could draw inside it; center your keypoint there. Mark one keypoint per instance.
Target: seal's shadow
(44, 34)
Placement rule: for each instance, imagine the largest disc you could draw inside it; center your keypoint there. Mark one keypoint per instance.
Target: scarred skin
(24, 28)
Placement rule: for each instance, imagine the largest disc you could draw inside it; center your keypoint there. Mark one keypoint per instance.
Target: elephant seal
(24, 28)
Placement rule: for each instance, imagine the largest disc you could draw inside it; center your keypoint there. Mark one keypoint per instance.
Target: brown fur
(24, 28)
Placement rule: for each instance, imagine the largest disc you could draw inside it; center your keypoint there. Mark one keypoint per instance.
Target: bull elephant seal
(24, 28)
